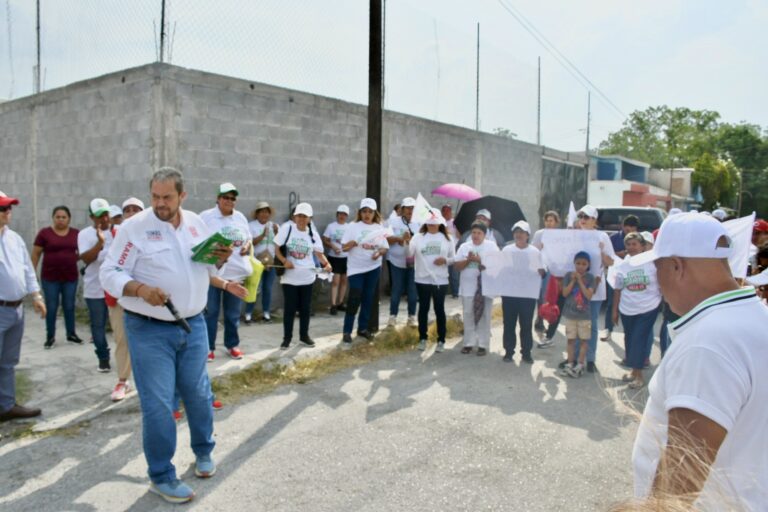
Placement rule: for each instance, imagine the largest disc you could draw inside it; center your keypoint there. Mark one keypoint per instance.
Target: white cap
(115, 211)
(648, 237)
(435, 218)
(132, 201)
(521, 224)
(719, 214)
(687, 235)
(368, 203)
(99, 207)
(303, 209)
(227, 187)
(589, 211)
(485, 213)
(343, 209)
(760, 279)
(408, 202)
(674, 211)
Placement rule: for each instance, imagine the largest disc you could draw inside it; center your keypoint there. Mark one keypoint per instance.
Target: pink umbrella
(457, 191)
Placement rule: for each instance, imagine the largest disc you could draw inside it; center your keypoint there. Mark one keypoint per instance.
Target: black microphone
(182, 322)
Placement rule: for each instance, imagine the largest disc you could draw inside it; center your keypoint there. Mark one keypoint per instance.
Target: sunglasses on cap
(4, 209)
(229, 198)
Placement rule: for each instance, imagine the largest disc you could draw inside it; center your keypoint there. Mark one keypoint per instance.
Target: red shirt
(59, 254)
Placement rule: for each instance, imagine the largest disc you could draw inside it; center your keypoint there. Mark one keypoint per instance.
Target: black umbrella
(504, 214)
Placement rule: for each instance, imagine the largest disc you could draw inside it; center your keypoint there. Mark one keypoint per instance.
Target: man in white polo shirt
(703, 433)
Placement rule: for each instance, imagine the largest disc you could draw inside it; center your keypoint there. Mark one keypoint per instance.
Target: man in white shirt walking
(703, 433)
(17, 280)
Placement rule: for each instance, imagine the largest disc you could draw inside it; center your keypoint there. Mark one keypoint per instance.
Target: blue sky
(695, 53)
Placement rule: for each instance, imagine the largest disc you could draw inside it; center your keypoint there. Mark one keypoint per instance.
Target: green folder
(203, 252)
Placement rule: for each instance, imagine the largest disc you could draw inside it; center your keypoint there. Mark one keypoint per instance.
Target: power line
(558, 55)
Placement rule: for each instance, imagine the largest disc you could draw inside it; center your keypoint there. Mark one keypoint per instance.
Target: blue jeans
(265, 289)
(453, 280)
(637, 332)
(609, 307)
(594, 310)
(516, 309)
(11, 332)
(218, 298)
(403, 280)
(52, 291)
(362, 289)
(97, 312)
(164, 359)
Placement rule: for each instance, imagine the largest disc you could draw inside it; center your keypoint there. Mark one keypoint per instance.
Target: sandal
(636, 384)
(466, 350)
(481, 351)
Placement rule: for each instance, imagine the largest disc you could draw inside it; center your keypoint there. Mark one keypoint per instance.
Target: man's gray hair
(169, 174)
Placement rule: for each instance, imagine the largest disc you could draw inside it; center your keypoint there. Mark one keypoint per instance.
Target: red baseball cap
(760, 226)
(7, 201)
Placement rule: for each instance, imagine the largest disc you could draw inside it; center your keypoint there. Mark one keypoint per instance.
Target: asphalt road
(432, 432)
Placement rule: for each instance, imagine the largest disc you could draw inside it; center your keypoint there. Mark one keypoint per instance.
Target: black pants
(515, 308)
(552, 329)
(436, 294)
(296, 298)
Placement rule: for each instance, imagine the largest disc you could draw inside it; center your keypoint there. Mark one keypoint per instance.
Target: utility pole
(538, 107)
(162, 30)
(37, 68)
(589, 118)
(477, 82)
(375, 121)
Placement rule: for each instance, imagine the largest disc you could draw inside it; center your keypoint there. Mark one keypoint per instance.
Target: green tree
(718, 180)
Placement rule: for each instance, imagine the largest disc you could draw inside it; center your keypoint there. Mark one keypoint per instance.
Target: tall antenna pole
(162, 31)
(477, 82)
(37, 68)
(538, 107)
(589, 117)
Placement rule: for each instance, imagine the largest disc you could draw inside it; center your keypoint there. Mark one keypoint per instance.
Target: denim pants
(453, 280)
(296, 298)
(97, 313)
(219, 299)
(609, 307)
(55, 291)
(11, 332)
(594, 309)
(165, 359)
(265, 289)
(366, 285)
(514, 308)
(637, 332)
(402, 281)
(436, 294)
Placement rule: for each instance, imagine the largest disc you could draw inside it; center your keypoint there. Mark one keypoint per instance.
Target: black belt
(152, 319)
(11, 303)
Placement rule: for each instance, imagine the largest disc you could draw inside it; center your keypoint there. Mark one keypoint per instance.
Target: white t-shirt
(268, 242)
(468, 276)
(301, 251)
(639, 288)
(536, 239)
(596, 266)
(426, 248)
(369, 238)
(335, 232)
(397, 252)
(716, 366)
(238, 266)
(86, 240)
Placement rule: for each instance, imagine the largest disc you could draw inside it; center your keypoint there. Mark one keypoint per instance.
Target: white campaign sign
(740, 231)
(561, 245)
(512, 274)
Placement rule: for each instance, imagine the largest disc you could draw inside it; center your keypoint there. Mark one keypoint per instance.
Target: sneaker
(528, 359)
(104, 366)
(217, 405)
(74, 338)
(49, 343)
(333, 310)
(422, 345)
(120, 390)
(248, 320)
(205, 467)
(392, 321)
(564, 370)
(366, 334)
(606, 336)
(211, 356)
(440, 346)
(285, 344)
(177, 415)
(346, 341)
(563, 364)
(574, 371)
(307, 341)
(545, 344)
(266, 318)
(412, 322)
(508, 357)
(175, 491)
(234, 353)
(591, 368)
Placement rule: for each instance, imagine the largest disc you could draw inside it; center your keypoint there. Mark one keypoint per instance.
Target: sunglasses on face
(4, 209)
(229, 198)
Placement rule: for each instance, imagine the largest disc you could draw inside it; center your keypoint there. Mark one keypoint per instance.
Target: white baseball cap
(674, 211)
(648, 237)
(485, 213)
(408, 202)
(522, 225)
(368, 203)
(435, 218)
(132, 201)
(99, 207)
(115, 211)
(687, 235)
(227, 187)
(303, 209)
(760, 279)
(719, 214)
(589, 211)
(343, 209)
